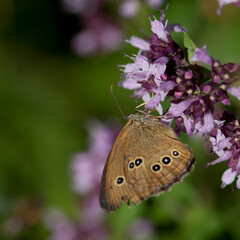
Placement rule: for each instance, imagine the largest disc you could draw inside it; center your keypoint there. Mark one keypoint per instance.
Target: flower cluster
(195, 84)
(101, 31)
(87, 166)
(63, 228)
(86, 171)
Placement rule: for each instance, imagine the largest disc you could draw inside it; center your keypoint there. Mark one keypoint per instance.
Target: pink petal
(159, 109)
(130, 84)
(226, 155)
(130, 67)
(224, 143)
(159, 30)
(208, 123)
(188, 123)
(167, 86)
(142, 62)
(235, 91)
(228, 177)
(162, 60)
(160, 71)
(226, 102)
(154, 102)
(238, 182)
(224, 2)
(177, 109)
(146, 97)
(220, 135)
(175, 28)
(201, 54)
(238, 164)
(139, 43)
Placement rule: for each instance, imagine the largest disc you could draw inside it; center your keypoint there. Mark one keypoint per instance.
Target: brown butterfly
(146, 159)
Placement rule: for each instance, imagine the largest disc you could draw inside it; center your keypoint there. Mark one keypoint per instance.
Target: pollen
(223, 86)
(226, 76)
(212, 98)
(216, 64)
(236, 139)
(178, 80)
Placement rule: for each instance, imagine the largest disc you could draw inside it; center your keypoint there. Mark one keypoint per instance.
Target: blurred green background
(47, 94)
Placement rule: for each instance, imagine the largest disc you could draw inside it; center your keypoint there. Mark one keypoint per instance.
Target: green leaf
(189, 45)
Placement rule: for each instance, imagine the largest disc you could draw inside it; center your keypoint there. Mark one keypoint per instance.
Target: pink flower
(225, 2)
(129, 8)
(105, 38)
(158, 27)
(154, 3)
(142, 73)
(219, 143)
(86, 172)
(160, 71)
(87, 166)
(228, 177)
(224, 156)
(177, 109)
(61, 228)
(202, 55)
(141, 229)
(139, 43)
(238, 182)
(208, 123)
(235, 91)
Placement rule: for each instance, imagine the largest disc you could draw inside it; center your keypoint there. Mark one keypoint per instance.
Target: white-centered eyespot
(175, 153)
(119, 180)
(166, 160)
(156, 167)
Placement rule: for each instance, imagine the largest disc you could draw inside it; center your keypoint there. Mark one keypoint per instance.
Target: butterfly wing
(146, 159)
(114, 186)
(160, 160)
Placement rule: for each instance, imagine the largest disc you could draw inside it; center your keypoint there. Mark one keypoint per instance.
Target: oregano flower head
(196, 85)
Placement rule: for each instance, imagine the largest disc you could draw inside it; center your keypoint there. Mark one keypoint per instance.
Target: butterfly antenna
(115, 100)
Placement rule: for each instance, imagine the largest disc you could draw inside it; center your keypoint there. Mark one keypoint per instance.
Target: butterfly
(146, 158)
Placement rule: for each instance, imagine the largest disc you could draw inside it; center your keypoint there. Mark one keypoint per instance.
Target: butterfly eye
(138, 161)
(119, 180)
(175, 153)
(131, 165)
(166, 160)
(156, 167)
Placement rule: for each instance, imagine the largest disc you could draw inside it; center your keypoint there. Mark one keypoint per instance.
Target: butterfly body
(146, 159)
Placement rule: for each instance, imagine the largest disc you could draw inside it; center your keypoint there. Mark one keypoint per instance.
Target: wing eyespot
(166, 160)
(120, 180)
(156, 167)
(131, 166)
(138, 162)
(175, 153)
